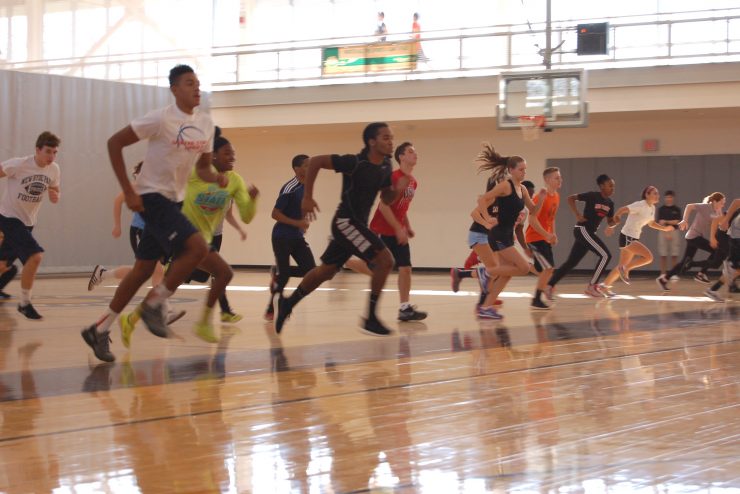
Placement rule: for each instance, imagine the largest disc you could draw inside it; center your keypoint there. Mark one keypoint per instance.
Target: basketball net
(532, 126)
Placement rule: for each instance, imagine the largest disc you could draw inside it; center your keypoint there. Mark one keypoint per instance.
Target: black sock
(716, 286)
(297, 296)
(373, 304)
(464, 273)
(223, 303)
(482, 298)
(538, 295)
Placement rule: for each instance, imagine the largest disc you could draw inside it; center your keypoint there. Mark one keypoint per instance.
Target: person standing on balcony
(381, 31)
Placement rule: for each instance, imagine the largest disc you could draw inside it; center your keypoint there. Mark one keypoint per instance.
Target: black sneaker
(411, 314)
(538, 304)
(283, 312)
(154, 320)
(30, 313)
(455, 279)
(100, 343)
(662, 282)
(374, 327)
(734, 289)
(4, 296)
(701, 278)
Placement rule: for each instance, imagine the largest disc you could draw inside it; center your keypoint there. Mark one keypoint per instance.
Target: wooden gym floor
(638, 394)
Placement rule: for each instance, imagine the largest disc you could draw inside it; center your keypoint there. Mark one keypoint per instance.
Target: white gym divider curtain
(84, 113)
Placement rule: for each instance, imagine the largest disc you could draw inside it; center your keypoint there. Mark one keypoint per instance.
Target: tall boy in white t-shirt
(180, 138)
(29, 179)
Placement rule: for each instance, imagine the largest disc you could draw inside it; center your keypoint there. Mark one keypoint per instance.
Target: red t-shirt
(399, 207)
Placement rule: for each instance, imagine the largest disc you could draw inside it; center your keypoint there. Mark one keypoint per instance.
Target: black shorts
(401, 253)
(625, 240)
(134, 236)
(543, 256)
(166, 230)
(19, 242)
(500, 239)
(351, 237)
(735, 253)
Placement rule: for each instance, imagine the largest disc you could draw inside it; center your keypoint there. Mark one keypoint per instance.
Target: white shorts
(669, 243)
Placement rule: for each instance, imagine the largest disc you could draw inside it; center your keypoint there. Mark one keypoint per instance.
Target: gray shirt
(701, 225)
(734, 229)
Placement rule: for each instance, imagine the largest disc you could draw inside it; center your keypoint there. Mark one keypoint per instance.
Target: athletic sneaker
(284, 310)
(374, 327)
(99, 342)
(549, 292)
(662, 282)
(173, 316)
(623, 274)
(96, 277)
(269, 313)
(4, 296)
(489, 313)
(675, 278)
(606, 290)
(411, 314)
(701, 278)
(593, 291)
(483, 278)
(734, 288)
(230, 317)
(538, 304)
(154, 320)
(127, 328)
(455, 275)
(205, 331)
(713, 295)
(28, 311)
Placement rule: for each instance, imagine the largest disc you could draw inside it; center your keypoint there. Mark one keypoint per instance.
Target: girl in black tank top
(501, 234)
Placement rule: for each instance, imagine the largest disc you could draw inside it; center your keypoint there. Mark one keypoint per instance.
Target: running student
(633, 253)
(730, 223)
(511, 197)
(180, 138)
(697, 236)
(547, 202)
(288, 234)
(363, 176)
(29, 178)
(391, 222)
(598, 206)
(668, 241)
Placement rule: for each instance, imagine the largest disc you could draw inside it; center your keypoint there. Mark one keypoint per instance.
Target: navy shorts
(401, 253)
(351, 237)
(166, 230)
(18, 242)
(625, 240)
(500, 239)
(543, 256)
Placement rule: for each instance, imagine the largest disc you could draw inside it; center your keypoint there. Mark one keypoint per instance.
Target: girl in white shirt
(632, 252)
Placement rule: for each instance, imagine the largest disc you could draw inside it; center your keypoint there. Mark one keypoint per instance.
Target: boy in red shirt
(391, 223)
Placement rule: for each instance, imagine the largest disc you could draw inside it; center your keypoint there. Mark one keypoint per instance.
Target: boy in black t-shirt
(669, 242)
(598, 206)
(363, 176)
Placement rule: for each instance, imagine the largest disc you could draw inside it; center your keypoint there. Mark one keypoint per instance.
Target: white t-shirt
(27, 184)
(176, 141)
(641, 213)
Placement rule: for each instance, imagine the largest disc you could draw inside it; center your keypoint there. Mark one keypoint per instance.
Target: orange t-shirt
(546, 216)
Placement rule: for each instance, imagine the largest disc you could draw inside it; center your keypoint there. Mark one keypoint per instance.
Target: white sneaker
(96, 277)
(713, 295)
(606, 290)
(593, 291)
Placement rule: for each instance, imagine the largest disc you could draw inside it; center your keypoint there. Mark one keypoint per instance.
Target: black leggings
(693, 245)
(719, 254)
(298, 249)
(585, 241)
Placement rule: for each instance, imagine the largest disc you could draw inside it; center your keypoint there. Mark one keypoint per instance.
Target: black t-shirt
(597, 207)
(289, 203)
(361, 182)
(492, 210)
(670, 213)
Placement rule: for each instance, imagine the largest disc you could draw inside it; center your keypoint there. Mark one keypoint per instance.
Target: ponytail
(713, 197)
(218, 140)
(490, 159)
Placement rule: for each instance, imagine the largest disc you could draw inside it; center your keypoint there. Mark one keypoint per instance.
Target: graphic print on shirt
(213, 200)
(35, 186)
(191, 138)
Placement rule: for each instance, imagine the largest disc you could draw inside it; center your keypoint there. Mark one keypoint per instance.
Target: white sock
(103, 325)
(25, 297)
(159, 294)
(405, 306)
(166, 306)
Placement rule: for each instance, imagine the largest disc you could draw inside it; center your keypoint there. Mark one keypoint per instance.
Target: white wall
(76, 233)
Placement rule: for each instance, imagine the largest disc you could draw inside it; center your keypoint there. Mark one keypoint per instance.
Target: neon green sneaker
(230, 317)
(204, 331)
(128, 325)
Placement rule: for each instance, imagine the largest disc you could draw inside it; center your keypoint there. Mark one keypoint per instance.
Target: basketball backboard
(558, 95)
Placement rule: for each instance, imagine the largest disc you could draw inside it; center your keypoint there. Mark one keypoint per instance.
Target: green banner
(376, 57)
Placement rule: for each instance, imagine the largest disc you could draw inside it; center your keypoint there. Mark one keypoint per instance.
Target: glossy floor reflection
(630, 395)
